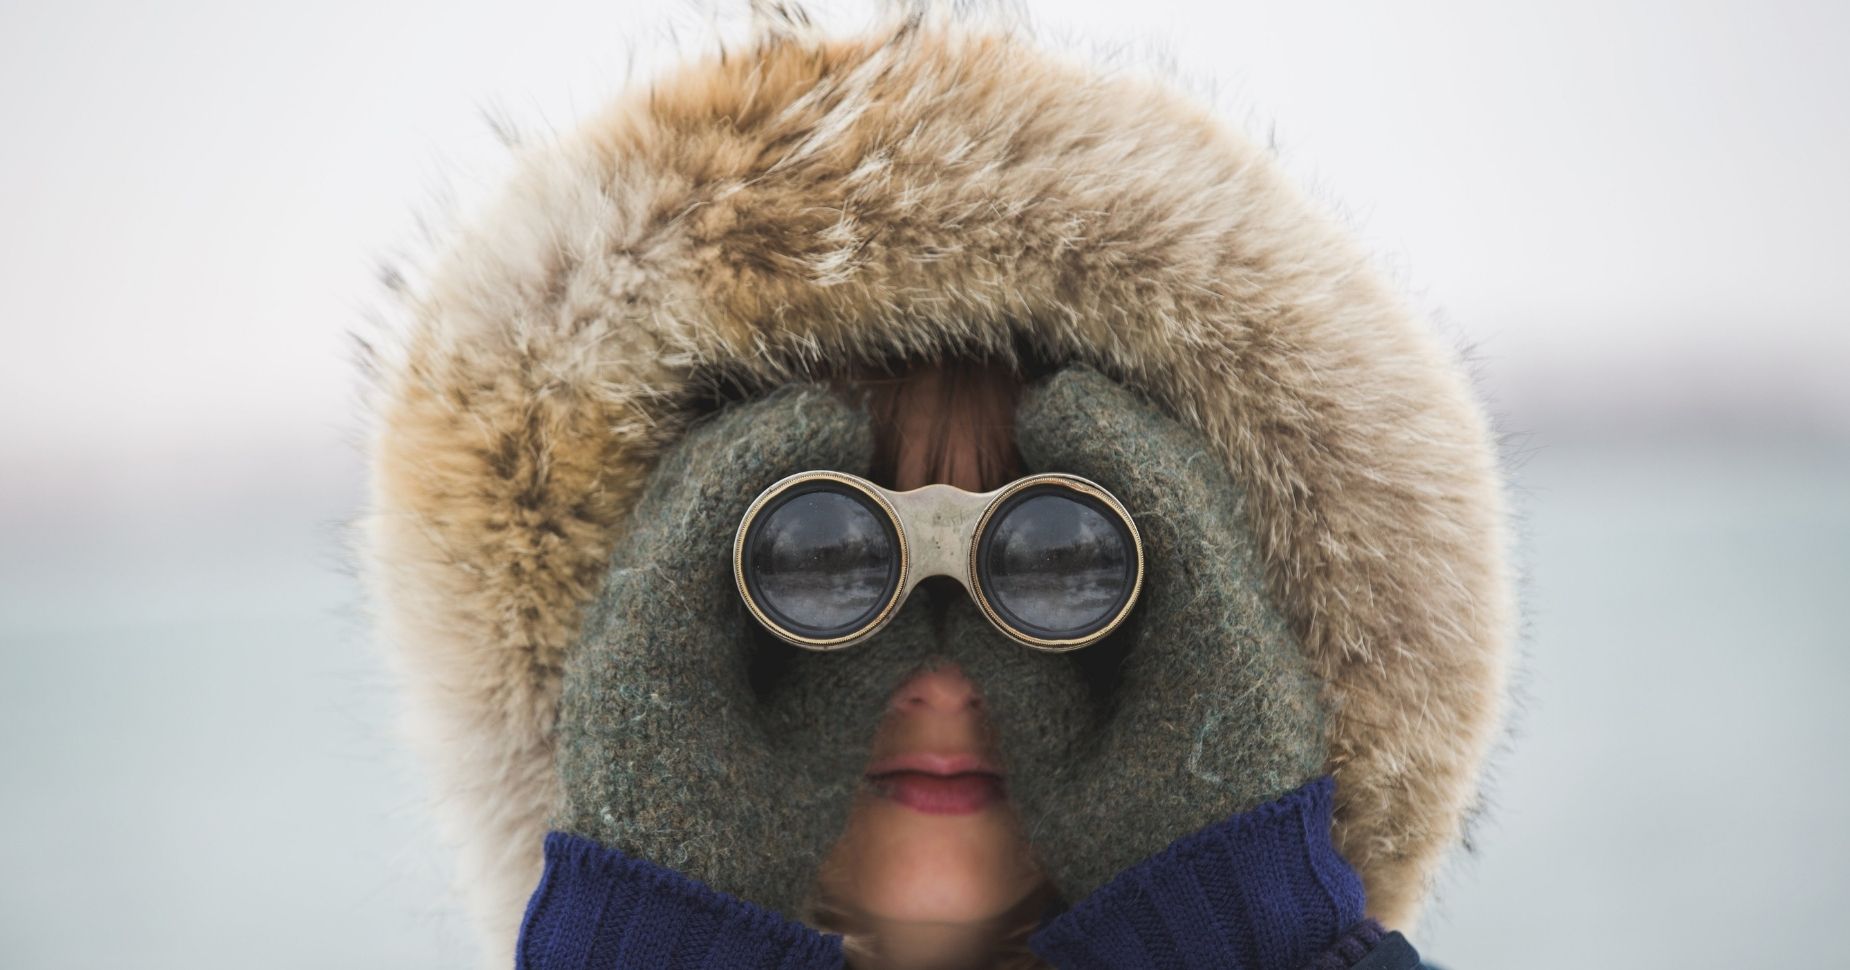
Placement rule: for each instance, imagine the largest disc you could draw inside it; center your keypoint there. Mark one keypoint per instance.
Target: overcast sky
(196, 194)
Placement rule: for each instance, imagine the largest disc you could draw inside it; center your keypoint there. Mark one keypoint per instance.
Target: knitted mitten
(665, 749)
(1206, 706)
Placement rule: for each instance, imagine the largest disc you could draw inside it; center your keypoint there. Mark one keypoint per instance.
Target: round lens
(821, 560)
(1057, 564)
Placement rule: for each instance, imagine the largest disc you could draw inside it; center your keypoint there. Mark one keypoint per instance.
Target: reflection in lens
(1057, 564)
(821, 563)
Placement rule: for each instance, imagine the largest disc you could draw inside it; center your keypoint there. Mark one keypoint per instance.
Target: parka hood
(804, 203)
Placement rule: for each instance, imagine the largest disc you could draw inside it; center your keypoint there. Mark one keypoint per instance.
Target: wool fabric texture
(1260, 890)
(670, 748)
(1207, 704)
(601, 909)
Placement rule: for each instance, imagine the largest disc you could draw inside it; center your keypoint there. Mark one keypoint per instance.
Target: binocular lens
(1056, 564)
(822, 561)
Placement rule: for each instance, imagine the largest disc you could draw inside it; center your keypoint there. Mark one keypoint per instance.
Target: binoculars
(824, 559)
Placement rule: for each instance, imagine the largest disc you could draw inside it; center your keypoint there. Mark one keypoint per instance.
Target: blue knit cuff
(1261, 890)
(598, 908)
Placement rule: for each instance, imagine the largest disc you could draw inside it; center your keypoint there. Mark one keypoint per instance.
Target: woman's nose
(942, 689)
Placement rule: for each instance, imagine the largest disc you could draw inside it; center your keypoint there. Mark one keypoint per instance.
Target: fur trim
(804, 203)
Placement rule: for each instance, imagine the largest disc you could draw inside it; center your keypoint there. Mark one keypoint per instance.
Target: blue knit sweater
(1261, 890)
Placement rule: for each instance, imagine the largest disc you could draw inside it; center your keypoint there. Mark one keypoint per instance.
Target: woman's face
(933, 864)
(930, 838)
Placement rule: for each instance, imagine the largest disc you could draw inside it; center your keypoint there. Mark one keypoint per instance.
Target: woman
(604, 373)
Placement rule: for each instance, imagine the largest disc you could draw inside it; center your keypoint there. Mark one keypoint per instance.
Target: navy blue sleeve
(598, 908)
(1261, 890)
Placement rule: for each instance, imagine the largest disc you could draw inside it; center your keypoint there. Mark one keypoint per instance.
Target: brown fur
(804, 206)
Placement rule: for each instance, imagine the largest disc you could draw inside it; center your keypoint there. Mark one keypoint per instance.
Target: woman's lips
(959, 794)
(937, 784)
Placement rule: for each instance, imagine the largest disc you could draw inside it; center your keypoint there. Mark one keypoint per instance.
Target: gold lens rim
(763, 616)
(1085, 487)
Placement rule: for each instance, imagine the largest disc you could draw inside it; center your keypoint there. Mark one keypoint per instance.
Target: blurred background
(1633, 212)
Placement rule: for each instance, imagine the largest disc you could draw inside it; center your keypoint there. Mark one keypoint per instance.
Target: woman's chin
(905, 865)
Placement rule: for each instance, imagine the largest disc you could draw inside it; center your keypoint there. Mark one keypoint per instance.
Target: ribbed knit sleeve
(1261, 890)
(598, 908)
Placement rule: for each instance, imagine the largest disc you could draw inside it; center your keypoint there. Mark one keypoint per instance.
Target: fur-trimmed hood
(805, 202)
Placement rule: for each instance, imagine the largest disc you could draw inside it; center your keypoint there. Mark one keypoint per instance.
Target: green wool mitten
(664, 750)
(693, 739)
(1209, 708)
